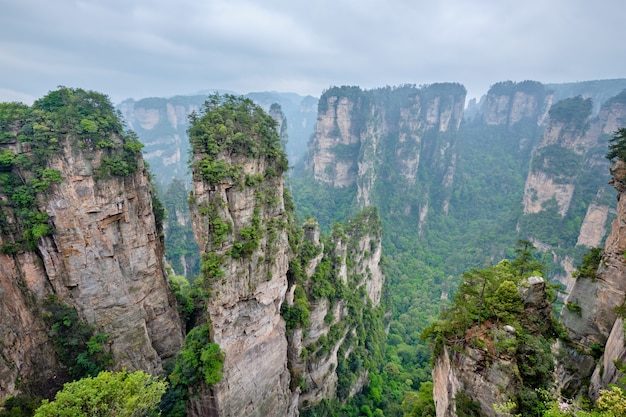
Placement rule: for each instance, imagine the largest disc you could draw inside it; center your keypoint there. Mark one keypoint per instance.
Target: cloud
(135, 48)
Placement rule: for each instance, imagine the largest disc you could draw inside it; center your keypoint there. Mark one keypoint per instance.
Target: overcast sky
(144, 48)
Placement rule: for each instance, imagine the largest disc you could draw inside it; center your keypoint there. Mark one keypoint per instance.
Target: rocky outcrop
(240, 224)
(567, 181)
(161, 124)
(580, 147)
(324, 345)
(597, 324)
(467, 372)
(480, 371)
(507, 103)
(99, 251)
(359, 133)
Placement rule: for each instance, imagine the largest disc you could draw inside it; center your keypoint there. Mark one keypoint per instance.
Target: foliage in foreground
(120, 394)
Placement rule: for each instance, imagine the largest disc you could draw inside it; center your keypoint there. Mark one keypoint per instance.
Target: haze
(140, 48)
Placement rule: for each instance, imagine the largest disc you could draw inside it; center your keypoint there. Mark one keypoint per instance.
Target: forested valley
(486, 219)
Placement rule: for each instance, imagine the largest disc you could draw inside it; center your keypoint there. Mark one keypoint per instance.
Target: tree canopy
(120, 394)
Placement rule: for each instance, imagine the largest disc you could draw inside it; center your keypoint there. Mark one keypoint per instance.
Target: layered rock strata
(358, 132)
(249, 278)
(102, 255)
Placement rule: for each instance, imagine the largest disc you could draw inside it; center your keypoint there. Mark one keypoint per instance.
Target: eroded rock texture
(103, 256)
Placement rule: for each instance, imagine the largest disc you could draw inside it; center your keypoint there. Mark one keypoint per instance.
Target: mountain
(501, 350)
(162, 124)
(81, 249)
(256, 269)
(281, 318)
(456, 192)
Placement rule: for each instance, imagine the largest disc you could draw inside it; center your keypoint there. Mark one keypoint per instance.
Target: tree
(617, 145)
(120, 394)
(526, 263)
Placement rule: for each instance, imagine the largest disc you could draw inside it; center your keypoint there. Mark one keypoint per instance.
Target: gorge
(308, 300)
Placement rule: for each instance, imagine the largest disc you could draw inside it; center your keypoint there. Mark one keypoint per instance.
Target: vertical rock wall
(360, 133)
(103, 257)
(241, 225)
(334, 330)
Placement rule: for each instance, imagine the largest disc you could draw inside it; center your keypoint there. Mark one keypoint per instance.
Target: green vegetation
(558, 161)
(185, 299)
(573, 112)
(80, 349)
(359, 335)
(590, 264)
(296, 315)
(199, 364)
(22, 405)
(37, 134)
(199, 361)
(234, 126)
(487, 300)
(617, 146)
(612, 403)
(120, 394)
(181, 249)
(509, 88)
(353, 93)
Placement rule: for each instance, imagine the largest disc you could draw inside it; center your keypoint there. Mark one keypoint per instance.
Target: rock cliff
(288, 316)
(360, 134)
(596, 326)
(489, 364)
(507, 103)
(567, 179)
(333, 313)
(162, 124)
(240, 224)
(77, 223)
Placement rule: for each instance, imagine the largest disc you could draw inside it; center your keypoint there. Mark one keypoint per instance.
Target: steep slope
(256, 274)
(595, 325)
(240, 224)
(492, 346)
(333, 311)
(458, 196)
(566, 202)
(77, 223)
(359, 132)
(508, 103)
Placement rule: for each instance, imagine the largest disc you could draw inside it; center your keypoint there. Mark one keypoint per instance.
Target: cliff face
(480, 371)
(342, 282)
(240, 225)
(162, 124)
(99, 250)
(567, 179)
(507, 103)
(286, 315)
(359, 134)
(597, 323)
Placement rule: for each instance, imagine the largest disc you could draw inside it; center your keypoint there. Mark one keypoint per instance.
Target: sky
(160, 48)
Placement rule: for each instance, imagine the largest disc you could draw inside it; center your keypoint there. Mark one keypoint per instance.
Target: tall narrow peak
(78, 223)
(241, 226)
(333, 310)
